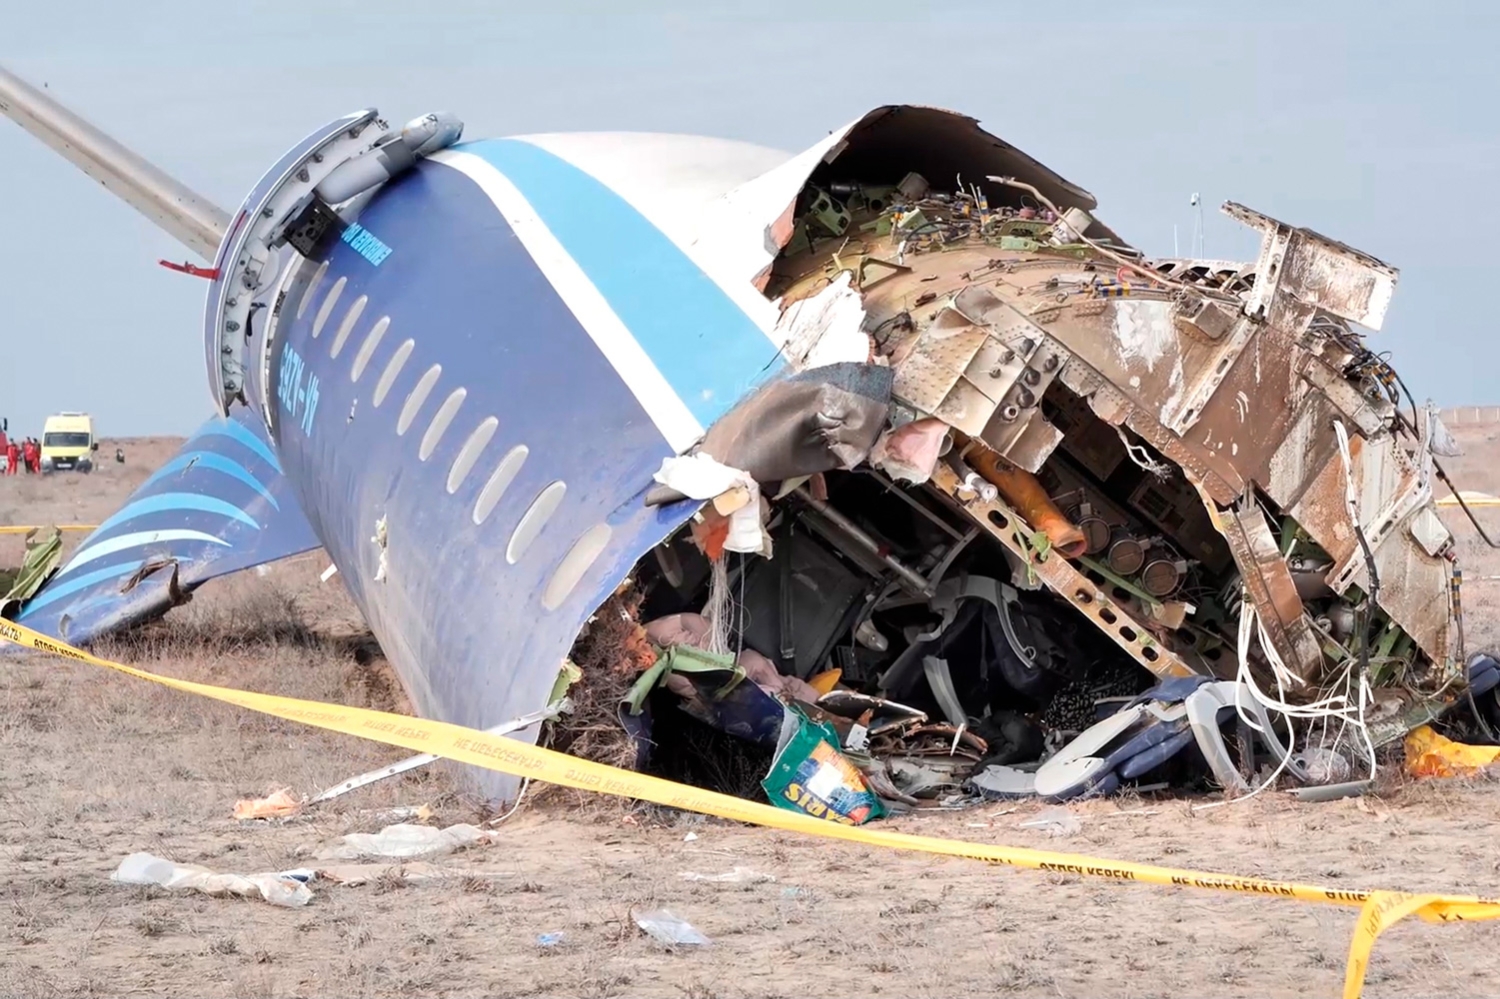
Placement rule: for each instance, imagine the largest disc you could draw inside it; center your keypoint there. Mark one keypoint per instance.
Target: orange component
(825, 681)
(1022, 491)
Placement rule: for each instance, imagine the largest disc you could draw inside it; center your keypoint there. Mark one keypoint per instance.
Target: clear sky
(1372, 122)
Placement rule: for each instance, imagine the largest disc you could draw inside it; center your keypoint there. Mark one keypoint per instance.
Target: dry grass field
(95, 766)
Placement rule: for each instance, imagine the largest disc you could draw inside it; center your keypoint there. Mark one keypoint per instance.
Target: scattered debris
(276, 805)
(1055, 822)
(558, 706)
(409, 872)
(405, 840)
(1429, 754)
(738, 876)
(810, 775)
(664, 927)
(41, 561)
(549, 939)
(278, 889)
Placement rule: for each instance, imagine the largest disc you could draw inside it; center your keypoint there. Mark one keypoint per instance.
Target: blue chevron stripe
(216, 462)
(57, 591)
(233, 429)
(125, 542)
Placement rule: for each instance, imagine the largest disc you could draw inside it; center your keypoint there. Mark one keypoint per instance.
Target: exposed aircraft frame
(1200, 458)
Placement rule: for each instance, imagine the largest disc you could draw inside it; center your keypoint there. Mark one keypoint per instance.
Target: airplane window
(367, 349)
(392, 369)
(418, 396)
(504, 474)
(440, 421)
(350, 318)
(585, 551)
(469, 454)
(533, 520)
(312, 288)
(327, 306)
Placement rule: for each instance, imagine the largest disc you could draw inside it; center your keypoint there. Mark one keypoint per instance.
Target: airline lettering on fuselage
(366, 244)
(297, 389)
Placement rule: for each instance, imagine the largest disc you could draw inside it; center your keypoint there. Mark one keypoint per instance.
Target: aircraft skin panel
(221, 504)
(459, 609)
(710, 351)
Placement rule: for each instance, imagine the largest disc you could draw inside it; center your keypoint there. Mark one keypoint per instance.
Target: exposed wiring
(1144, 460)
(1124, 261)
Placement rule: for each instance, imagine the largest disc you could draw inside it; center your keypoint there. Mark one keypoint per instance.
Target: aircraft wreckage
(889, 456)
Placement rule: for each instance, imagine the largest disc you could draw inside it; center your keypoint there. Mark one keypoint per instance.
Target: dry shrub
(266, 617)
(611, 652)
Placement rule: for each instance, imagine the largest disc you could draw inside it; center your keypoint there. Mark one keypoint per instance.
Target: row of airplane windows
(570, 570)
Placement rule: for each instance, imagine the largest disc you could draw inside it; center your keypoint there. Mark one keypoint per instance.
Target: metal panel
(467, 632)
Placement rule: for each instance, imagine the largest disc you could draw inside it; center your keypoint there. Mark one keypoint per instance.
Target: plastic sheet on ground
(403, 840)
(738, 876)
(664, 927)
(147, 869)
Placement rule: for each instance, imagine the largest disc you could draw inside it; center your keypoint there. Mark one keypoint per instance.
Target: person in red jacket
(12, 457)
(31, 454)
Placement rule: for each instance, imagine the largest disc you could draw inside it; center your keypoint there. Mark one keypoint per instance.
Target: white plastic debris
(1054, 822)
(699, 477)
(403, 840)
(738, 876)
(146, 869)
(664, 927)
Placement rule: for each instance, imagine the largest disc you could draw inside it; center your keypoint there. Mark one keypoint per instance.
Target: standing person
(12, 457)
(33, 455)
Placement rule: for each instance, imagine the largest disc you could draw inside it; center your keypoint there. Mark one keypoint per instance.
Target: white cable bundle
(1347, 707)
(716, 611)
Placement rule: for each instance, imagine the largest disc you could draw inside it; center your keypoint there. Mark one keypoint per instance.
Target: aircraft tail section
(221, 504)
(192, 219)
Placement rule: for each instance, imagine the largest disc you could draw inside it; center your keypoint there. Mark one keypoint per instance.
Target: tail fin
(218, 506)
(192, 219)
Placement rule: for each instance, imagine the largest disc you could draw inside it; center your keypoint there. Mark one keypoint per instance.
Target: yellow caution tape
(1379, 909)
(22, 529)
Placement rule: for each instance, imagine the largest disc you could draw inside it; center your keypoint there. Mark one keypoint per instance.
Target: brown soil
(95, 765)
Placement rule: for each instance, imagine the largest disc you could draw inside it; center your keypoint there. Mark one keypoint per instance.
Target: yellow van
(68, 443)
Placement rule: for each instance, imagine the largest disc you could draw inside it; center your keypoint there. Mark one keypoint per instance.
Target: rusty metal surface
(1323, 272)
(1226, 370)
(1007, 527)
(1269, 583)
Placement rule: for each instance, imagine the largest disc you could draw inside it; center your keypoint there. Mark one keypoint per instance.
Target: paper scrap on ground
(146, 869)
(275, 805)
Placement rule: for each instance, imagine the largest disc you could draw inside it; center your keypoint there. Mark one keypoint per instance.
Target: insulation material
(826, 328)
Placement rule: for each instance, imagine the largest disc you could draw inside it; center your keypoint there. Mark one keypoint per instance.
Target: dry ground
(94, 765)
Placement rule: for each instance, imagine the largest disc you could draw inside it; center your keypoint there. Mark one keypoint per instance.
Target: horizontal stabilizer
(221, 504)
(190, 218)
